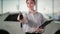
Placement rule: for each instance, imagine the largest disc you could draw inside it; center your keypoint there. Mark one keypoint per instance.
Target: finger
(18, 17)
(41, 30)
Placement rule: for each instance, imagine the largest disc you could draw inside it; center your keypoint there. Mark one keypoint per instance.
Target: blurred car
(54, 17)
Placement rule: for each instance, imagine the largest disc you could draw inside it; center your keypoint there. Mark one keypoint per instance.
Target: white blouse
(32, 21)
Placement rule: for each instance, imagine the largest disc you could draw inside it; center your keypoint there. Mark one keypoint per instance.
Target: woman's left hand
(39, 29)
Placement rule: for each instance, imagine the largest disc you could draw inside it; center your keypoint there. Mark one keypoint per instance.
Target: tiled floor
(14, 27)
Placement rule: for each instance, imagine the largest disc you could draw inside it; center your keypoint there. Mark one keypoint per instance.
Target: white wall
(43, 6)
(10, 6)
(46, 6)
(57, 7)
(23, 5)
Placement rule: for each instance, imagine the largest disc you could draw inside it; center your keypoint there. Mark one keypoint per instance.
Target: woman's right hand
(18, 17)
(22, 19)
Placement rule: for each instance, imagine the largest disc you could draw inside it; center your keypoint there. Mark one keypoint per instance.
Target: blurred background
(9, 10)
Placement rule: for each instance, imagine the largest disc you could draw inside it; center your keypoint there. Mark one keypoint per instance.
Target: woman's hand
(39, 29)
(21, 20)
(18, 17)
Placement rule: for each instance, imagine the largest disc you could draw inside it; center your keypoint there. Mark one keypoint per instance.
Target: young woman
(32, 20)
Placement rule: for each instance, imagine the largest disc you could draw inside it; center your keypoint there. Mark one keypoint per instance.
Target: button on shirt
(32, 21)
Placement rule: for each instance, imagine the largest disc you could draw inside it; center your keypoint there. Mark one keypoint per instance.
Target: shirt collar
(34, 13)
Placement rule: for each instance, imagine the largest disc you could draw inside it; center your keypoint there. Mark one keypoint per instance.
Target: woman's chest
(34, 18)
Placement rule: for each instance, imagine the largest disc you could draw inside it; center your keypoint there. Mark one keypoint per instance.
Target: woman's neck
(32, 11)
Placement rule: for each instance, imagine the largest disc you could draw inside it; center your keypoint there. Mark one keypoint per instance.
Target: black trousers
(32, 33)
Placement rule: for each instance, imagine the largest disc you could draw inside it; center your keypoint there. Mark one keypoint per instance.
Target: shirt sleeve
(43, 19)
(25, 17)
